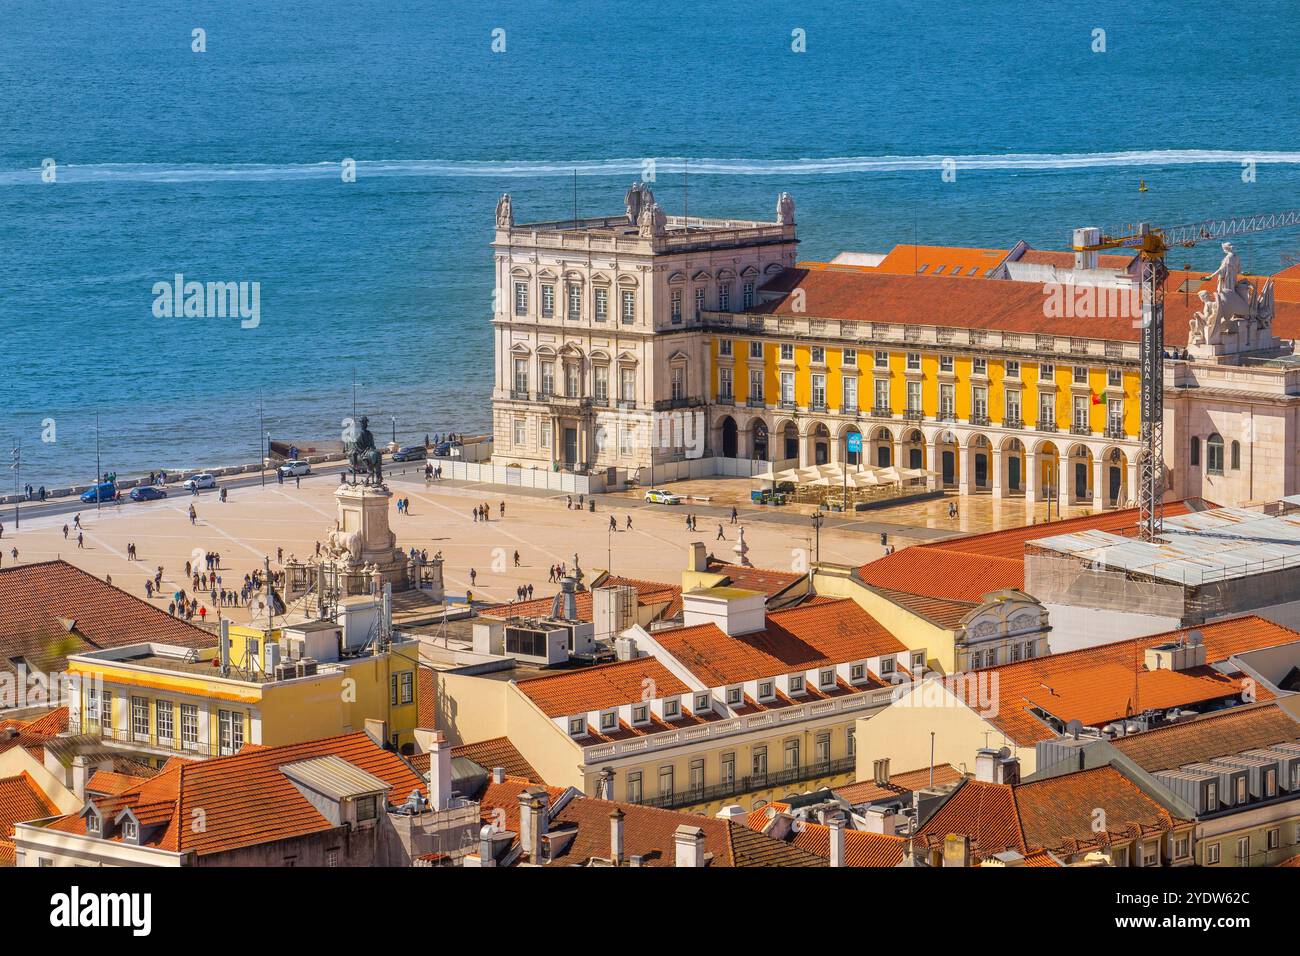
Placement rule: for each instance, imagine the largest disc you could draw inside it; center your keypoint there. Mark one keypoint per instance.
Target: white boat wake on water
(254, 172)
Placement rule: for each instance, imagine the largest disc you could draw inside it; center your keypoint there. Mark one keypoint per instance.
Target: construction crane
(1151, 244)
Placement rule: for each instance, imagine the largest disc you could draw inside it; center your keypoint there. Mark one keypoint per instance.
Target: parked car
(411, 453)
(148, 493)
(443, 449)
(104, 491)
(200, 481)
(292, 469)
(659, 496)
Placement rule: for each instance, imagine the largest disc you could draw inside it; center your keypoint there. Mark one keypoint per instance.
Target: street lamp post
(18, 479)
(264, 449)
(394, 417)
(817, 520)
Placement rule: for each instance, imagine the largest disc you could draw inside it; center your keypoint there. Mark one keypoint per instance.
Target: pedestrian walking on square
(516, 558)
(81, 541)
(721, 536)
(613, 524)
(629, 523)
(734, 514)
(475, 516)
(65, 531)
(503, 509)
(473, 577)
(76, 521)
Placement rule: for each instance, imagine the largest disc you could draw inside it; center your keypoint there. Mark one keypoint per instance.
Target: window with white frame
(189, 724)
(699, 304)
(858, 672)
(882, 358)
(1114, 377)
(521, 298)
(724, 296)
(140, 716)
(756, 384)
(672, 708)
(945, 363)
(627, 384)
(521, 375)
(577, 726)
(575, 301)
(735, 695)
(724, 384)
(548, 300)
(521, 432)
(164, 721)
(850, 358)
(600, 380)
(796, 683)
(548, 378)
(819, 391)
(1047, 409)
(787, 387)
(1013, 369)
(826, 678)
(947, 400)
(849, 402)
(629, 306)
(602, 305)
(882, 393)
(787, 352)
(914, 361)
(1080, 375)
(1046, 372)
(724, 347)
(676, 306)
(766, 690)
(634, 792)
(818, 355)
(980, 366)
(609, 720)
(703, 703)
(1212, 852)
(641, 714)
(748, 296)
(914, 397)
(756, 350)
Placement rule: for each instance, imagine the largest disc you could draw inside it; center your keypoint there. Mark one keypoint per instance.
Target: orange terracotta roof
(1065, 260)
(112, 784)
(21, 800)
(32, 735)
(868, 791)
(1059, 813)
(647, 831)
(953, 261)
(426, 698)
(968, 567)
(245, 799)
(598, 688)
(1214, 735)
(874, 296)
(754, 579)
(1110, 681)
(860, 847)
(499, 752)
(799, 638)
(39, 602)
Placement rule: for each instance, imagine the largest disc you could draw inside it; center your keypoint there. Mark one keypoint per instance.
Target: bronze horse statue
(364, 457)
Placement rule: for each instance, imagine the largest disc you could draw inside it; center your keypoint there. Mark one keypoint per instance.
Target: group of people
(403, 506)
(570, 504)
(34, 494)
(558, 571)
(524, 592)
(613, 523)
(430, 472)
(484, 513)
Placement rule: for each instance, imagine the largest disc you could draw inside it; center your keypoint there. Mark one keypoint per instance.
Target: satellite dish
(1074, 728)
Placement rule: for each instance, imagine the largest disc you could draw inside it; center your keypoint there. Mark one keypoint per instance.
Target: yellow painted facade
(929, 367)
(161, 711)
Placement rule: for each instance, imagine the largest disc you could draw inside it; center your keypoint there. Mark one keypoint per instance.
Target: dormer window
(766, 690)
(735, 695)
(130, 831)
(703, 703)
(796, 683)
(886, 665)
(94, 824)
(577, 726)
(672, 709)
(609, 720)
(367, 808)
(857, 672)
(641, 714)
(826, 678)
(918, 660)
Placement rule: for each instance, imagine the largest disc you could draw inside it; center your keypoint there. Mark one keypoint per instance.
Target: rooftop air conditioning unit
(306, 667)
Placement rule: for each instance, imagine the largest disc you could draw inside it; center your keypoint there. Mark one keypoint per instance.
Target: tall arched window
(1196, 452)
(1236, 455)
(1214, 454)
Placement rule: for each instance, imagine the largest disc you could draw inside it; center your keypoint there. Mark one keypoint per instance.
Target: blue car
(147, 493)
(104, 491)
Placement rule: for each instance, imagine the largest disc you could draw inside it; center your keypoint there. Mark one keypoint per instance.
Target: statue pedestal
(363, 541)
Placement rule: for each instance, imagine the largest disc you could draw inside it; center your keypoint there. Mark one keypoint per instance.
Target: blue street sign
(855, 442)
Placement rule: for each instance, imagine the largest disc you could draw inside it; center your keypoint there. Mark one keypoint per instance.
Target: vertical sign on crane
(1151, 359)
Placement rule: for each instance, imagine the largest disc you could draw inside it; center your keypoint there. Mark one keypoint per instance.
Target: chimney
(689, 842)
(836, 825)
(636, 859)
(80, 776)
(616, 837)
(986, 760)
(439, 771)
(1087, 236)
(698, 559)
(498, 774)
(532, 822)
(880, 771)
(956, 850)
(485, 845)
(1008, 770)
(881, 818)
(732, 811)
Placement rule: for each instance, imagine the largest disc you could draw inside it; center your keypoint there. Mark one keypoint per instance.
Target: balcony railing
(742, 785)
(626, 403)
(819, 407)
(1115, 431)
(882, 411)
(152, 742)
(1012, 421)
(1045, 425)
(519, 394)
(666, 404)
(726, 400)
(913, 415)
(1080, 428)
(755, 401)
(788, 403)
(979, 418)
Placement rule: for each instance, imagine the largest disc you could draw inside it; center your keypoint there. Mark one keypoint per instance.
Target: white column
(898, 454)
(1063, 480)
(995, 462)
(1030, 464)
(964, 458)
(935, 480)
(1098, 485)
(1132, 491)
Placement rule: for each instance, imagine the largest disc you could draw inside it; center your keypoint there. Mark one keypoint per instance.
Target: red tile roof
(647, 831)
(868, 791)
(1110, 681)
(21, 800)
(51, 609)
(245, 799)
(1215, 735)
(1057, 814)
(754, 579)
(110, 784)
(598, 688)
(968, 567)
(860, 847)
(1008, 306)
(799, 638)
(499, 752)
(33, 734)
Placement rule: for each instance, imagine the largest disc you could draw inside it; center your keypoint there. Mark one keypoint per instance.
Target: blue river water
(226, 165)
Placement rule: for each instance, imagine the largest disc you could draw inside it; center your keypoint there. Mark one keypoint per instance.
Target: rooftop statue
(785, 209)
(505, 212)
(1233, 298)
